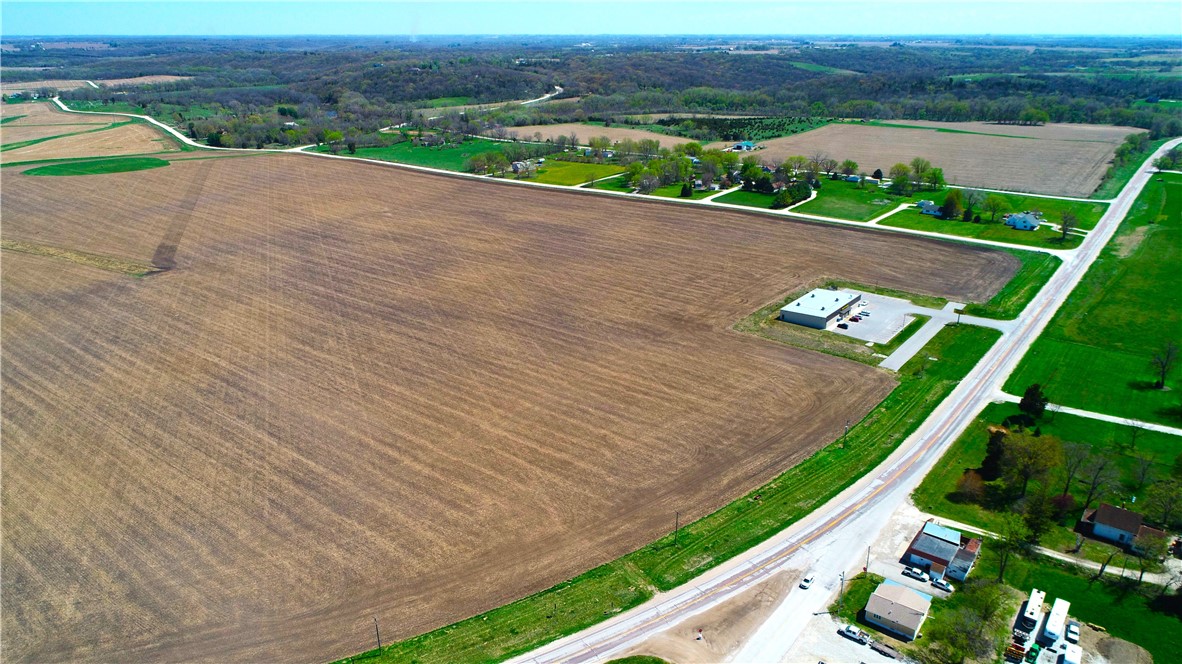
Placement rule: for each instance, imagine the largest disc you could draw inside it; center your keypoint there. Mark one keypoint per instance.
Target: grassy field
(1037, 268)
(1127, 612)
(1095, 354)
(99, 166)
(573, 173)
(448, 157)
(614, 184)
(738, 526)
(936, 494)
(845, 200)
(748, 199)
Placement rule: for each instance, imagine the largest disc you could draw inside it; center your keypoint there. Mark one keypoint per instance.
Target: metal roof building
(819, 308)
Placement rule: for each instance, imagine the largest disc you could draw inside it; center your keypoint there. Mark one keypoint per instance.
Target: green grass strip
(22, 144)
(1037, 269)
(536, 620)
(7, 120)
(99, 166)
(1121, 175)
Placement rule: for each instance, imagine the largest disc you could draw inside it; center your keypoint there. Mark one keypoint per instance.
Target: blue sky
(788, 17)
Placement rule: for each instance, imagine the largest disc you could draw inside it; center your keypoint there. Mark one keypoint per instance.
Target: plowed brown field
(46, 113)
(585, 132)
(370, 392)
(1038, 165)
(123, 140)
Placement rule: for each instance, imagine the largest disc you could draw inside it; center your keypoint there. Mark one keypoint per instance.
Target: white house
(898, 609)
(928, 207)
(1118, 525)
(819, 308)
(1023, 221)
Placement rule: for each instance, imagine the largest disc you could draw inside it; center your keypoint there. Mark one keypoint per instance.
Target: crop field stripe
(109, 263)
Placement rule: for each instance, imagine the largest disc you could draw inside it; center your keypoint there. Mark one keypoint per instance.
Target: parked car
(943, 585)
(807, 582)
(854, 634)
(1072, 635)
(843, 326)
(916, 573)
(856, 319)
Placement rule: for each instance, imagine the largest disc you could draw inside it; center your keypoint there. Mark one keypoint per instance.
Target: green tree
(849, 167)
(1067, 223)
(1012, 536)
(934, 178)
(901, 179)
(920, 168)
(952, 207)
(994, 205)
(1028, 457)
(1034, 402)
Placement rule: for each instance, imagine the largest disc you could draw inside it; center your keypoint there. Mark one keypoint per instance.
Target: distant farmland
(1064, 160)
(586, 132)
(364, 392)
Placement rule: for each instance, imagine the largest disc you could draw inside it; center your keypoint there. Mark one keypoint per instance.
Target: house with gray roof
(944, 552)
(898, 609)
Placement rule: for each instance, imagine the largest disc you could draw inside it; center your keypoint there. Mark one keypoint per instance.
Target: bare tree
(994, 205)
(817, 161)
(971, 199)
(1144, 470)
(1163, 362)
(1134, 432)
(1098, 476)
(1151, 547)
(1075, 455)
(1012, 537)
(1067, 223)
(1164, 499)
(829, 165)
(1104, 565)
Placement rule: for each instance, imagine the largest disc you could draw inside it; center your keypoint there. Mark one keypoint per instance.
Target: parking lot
(881, 317)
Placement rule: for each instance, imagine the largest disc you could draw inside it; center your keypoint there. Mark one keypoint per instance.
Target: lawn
(936, 494)
(1037, 268)
(845, 200)
(1095, 354)
(448, 157)
(1127, 612)
(703, 544)
(748, 199)
(857, 593)
(997, 232)
(674, 191)
(99, 166)
(573, 173)
(614, 184)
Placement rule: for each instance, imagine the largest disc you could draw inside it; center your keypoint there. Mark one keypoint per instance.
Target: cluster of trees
(500, 161)
(918, 175)
(1170, 161)
(1040, 478)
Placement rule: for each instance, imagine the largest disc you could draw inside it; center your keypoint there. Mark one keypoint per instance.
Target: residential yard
(573, 173)
(448, 157)
(614, 184)
(997, 231)
(674, 191)
(937, 494)
(1096, 352)
(845, 200)
(748, 199)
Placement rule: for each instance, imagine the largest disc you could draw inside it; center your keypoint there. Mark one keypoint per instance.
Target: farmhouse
(1023, 221)
(819, 308)
(944, 551)
(1118, 525)
(898, 609)
(928, 207)
(743, 146)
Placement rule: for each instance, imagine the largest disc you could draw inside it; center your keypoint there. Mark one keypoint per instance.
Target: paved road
(832, 539)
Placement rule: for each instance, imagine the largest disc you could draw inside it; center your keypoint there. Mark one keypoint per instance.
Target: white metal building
(819, 308)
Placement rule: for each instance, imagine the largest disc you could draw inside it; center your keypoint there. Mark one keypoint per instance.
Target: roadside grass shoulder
(1135, 614)
(857, 593)
(98, 166)
(937, 494)
(448, 157)
(573, 173)
(1121, 175)
(1095, 353)
(1037, 268)
(626, 582)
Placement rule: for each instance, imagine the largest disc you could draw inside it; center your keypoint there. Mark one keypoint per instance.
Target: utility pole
(676, 526)
(377, 633)
(847, 430)
(841, 595)
(867, 567)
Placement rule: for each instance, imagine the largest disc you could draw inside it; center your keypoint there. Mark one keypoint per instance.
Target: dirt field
(46, 113)
(126, 139)
(370, 392)
(63, 84)
(586, 132)
(1046, 166)
(16, 133)
(1061, 132)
